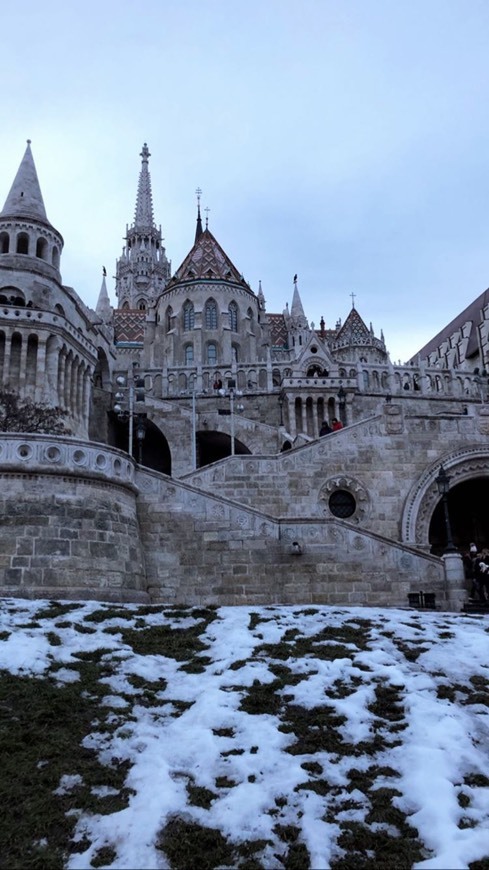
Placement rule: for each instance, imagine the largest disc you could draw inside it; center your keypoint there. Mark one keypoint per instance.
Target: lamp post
(233, 393)
(443, 483)
(130, 393)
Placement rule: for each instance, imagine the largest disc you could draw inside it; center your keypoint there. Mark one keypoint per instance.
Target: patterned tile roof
(278, 330)
(207, 260)
(129, 325)
(353, 328)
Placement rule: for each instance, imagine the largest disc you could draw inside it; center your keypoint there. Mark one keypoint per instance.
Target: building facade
(195, 470)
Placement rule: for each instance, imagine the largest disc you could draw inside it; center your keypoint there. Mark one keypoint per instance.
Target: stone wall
(201, 548)
(68, 521)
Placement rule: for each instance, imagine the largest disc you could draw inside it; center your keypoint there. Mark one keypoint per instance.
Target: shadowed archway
(468, 508)
(212, 446)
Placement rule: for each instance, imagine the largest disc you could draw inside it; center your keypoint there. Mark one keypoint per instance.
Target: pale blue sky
(344, 141)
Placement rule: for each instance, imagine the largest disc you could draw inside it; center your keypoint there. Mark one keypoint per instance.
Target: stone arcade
(210, 482)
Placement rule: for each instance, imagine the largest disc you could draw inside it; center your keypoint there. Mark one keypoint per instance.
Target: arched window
(188, 316)
(55, 257)
(212, 354)
(233, 316)
(189, 354)
(169, 315)
(42, 249)
(22, 243)
(4, 243)
(211, 314)
(249, 315)
(142, 306)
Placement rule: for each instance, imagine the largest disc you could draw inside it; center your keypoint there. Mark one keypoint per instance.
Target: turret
(25, 231)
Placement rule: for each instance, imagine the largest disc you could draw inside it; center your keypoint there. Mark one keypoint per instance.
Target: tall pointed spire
(144, 202)
(25, 197)
(104, 308)
(198, 228)
(297, 310)
(143, 270)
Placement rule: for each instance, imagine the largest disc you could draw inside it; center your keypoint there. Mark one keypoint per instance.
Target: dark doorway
(469, 517)
(212, 446)
(152, 450)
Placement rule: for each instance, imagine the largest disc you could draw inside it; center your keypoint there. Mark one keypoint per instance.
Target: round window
(342, 504)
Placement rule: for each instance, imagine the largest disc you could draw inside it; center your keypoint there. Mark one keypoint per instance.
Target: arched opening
(212, 446)
(42, 249)
(155, 452)
(55, 257)
(4, 243)
(468, 515)
(22, 243)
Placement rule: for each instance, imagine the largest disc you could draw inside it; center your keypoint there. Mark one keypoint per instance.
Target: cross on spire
(353, 296)
(207, 210)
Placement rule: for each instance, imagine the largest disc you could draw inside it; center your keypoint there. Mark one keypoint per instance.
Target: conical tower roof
(25, 197)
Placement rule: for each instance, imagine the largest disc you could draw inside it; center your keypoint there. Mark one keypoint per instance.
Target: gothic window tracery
(188, 316)
(211, 353)
(211, 314)
(189, 354)
(233, 316)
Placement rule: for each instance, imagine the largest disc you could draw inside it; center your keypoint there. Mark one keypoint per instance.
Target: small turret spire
(198, 228)
(296, 308)
(25, 197)
(144, 202)
(104, 308)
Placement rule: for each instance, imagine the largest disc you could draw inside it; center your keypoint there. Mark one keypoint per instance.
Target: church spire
(198, 228)
(143, 270)
(25, 197)
(144, 202)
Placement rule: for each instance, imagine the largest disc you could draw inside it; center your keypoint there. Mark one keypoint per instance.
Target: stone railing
(33, 453)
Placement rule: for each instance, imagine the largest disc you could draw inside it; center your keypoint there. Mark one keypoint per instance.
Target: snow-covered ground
(284, 725)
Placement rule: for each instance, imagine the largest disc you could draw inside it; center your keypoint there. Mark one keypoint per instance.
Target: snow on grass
(263, 737)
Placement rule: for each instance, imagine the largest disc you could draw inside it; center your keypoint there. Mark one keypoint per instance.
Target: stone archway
(420, 518)
(214, 445)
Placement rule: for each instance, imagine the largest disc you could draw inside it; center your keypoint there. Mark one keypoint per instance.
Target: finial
(104, 272)
(145, 153)
(207, 210)
(29, 141)
(198, 193)
(295, 278)
(353, 299)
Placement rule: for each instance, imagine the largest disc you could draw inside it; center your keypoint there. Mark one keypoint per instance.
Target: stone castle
(194, 471)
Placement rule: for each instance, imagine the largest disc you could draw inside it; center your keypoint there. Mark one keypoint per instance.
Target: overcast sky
(343, 141)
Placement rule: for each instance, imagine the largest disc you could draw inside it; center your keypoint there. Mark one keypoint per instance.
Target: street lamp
(128, 394)
(233, 393)
(443, 483)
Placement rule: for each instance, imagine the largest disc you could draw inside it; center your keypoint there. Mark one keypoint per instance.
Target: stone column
(455, 580)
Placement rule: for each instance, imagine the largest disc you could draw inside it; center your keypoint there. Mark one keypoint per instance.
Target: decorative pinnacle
(145, 153)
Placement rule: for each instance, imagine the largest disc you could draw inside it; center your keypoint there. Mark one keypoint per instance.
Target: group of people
(326, 428)
(476, 565)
